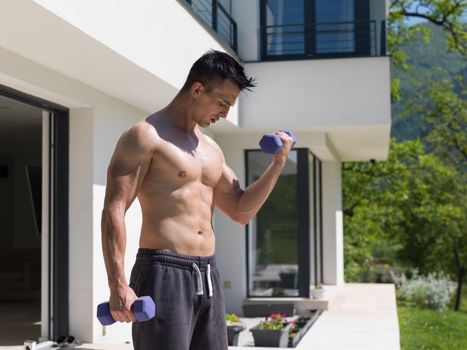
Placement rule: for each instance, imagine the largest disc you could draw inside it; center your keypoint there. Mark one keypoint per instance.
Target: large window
(335, 26)
(316, 28)
(285, 27)
(278, 238)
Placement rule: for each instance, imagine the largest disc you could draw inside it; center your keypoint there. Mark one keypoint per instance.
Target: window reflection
(273, 233)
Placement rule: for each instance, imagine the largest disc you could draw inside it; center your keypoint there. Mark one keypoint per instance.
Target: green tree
(429, 64)
(442, 106)
(371, 192)
(445, 110)
(416, 201)
(413, 202)
(446, 14)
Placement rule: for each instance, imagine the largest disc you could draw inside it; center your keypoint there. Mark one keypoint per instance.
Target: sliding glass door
(278, 237)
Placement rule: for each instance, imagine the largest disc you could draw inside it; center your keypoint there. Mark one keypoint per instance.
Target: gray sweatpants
(189, 299)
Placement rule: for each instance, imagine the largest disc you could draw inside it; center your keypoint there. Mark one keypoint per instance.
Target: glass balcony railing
(320, 40)
(217, 17)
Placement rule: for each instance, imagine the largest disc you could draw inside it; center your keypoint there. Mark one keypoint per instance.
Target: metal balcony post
(383, 38)
(214, 15)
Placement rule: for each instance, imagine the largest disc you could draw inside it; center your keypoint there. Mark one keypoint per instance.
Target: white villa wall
(247, 15)
(146, 33)
(83, 251)
(318, 93)
(331, 96)
(333, 233)
(143, 31)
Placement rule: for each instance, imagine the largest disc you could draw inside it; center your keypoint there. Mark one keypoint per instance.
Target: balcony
(345, 98)
(323, 40)
(216, 17)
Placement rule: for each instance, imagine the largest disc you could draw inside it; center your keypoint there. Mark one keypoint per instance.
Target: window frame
(303, 234)
(362, 41)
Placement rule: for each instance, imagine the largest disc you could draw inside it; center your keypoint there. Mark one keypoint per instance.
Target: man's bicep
(227, 191)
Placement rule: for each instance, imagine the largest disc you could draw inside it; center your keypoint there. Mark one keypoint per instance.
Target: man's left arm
(242, 205)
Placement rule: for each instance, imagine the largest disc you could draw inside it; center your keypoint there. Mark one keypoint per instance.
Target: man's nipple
(181, 173)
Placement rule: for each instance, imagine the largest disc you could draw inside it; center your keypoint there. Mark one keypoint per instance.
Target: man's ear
(196, 89)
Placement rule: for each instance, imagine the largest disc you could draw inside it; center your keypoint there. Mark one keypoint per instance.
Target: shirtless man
(179, 175)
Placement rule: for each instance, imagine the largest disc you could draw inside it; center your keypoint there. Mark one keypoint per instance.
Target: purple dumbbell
(272, 143)
(143, 308)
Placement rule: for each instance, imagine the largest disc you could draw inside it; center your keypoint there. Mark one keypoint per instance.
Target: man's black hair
(217, 65)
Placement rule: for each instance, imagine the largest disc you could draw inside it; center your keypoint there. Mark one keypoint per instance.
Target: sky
(415, 20)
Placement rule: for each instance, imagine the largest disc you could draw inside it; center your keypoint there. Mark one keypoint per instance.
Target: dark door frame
(58, 298)
(318, 220)
(303, 234)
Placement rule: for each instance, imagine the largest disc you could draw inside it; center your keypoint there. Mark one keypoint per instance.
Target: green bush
(431, 291)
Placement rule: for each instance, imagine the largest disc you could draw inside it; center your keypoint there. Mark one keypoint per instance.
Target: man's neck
(178, 113)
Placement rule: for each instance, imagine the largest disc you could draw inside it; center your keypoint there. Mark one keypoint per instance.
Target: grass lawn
(423, 329)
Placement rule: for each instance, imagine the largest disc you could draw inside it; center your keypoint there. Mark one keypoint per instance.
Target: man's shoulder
(141, 134)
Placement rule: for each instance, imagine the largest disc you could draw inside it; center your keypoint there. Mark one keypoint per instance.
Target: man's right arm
(127, 170)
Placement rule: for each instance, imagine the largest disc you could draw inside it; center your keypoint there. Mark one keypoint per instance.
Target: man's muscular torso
(179, 175)
(177, 192)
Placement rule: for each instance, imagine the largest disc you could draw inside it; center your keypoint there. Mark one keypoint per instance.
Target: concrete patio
(359, 316)
(362, 316)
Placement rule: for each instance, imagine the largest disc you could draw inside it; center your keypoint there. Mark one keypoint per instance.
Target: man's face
(212, 104)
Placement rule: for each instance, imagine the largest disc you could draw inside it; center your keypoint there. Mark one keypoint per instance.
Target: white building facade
(78, 73)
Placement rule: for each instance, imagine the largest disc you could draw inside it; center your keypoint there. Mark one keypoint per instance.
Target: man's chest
(181, 163)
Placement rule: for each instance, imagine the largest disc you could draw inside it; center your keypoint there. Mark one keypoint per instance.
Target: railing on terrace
(319, 40)
(218, 18)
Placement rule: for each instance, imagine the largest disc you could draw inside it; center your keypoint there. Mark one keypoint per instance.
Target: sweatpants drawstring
(199, 280)
(209, 281)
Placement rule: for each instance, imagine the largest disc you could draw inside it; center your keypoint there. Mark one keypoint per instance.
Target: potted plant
(294, 334)
(234, 328)
(272, 332)
(318, 292)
